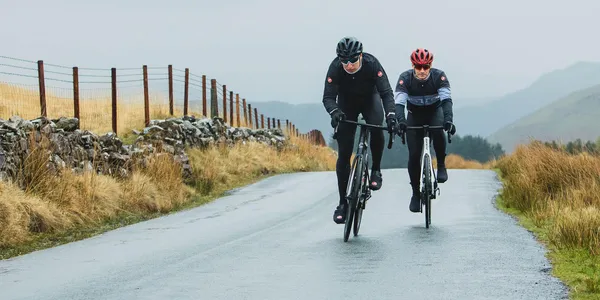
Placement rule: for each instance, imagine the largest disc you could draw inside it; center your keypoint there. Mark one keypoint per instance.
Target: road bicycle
(357, 190)
(428, 186)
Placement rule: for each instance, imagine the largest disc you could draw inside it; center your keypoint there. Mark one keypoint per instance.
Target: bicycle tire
(360, 205)
(427, 192)
(352, 198)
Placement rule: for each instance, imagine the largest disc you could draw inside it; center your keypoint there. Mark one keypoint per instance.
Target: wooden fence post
(171, 90)
(262, 121)
(76, 95)
(225, 103)
(42, 88)
(268, 123)
(231, 108)
(237, 109)
(250, 116)
(113, 72)
(245, 112)
(186, 92)
(214, 106)
(256, 117)
(146, 97)
(204, 95)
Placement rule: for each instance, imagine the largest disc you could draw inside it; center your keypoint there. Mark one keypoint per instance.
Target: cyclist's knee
(344, 154)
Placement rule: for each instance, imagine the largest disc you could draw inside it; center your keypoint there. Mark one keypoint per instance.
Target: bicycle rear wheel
(352, 194)
(427, 190)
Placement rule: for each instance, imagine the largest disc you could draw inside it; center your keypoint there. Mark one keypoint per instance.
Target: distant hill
(566, 119)
(472, 101)
(487, 118)
(313, 115)
(478, 120)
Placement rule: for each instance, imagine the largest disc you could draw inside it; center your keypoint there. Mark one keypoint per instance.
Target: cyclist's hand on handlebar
(449, 126)
(391, 122)
(401, 126)
(336, 117)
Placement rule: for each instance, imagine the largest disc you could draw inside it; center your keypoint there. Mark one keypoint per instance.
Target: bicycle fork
(362, 153)
(425, 151)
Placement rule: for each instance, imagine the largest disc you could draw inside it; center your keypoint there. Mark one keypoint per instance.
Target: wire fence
(122, 99)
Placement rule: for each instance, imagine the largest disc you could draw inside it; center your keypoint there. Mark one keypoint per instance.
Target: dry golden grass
(556, 190)
(220, 167)
(22, 213)
(95, 107)
(557, 196)
(51, 203)
(454, 161)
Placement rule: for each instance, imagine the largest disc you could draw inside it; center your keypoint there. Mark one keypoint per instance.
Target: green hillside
(485, 119)
(566, 119)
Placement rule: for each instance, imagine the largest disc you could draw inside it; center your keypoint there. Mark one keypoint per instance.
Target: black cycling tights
(372, 112)
(414, 141)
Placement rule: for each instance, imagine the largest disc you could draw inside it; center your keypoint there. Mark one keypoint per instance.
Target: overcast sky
(280, 50)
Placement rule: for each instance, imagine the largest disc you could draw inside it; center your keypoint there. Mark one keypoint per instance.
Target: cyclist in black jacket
(360, 84)
(425, 93)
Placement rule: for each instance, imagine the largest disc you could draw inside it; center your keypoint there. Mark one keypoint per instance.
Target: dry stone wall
(82, 150)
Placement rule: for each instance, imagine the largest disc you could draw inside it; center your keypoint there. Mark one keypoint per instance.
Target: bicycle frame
(357, 191)
(425, 151)
(362, 148)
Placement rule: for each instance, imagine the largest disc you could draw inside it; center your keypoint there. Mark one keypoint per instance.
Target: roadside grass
(55, 209)
(454, 161)
(556, 196)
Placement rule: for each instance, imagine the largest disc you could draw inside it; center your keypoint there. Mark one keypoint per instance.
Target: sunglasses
(422, 67)
(351, 60)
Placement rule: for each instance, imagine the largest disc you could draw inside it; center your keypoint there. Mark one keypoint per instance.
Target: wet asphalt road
(276, 240)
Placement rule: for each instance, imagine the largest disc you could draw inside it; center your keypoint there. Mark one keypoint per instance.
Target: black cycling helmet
(349, 47)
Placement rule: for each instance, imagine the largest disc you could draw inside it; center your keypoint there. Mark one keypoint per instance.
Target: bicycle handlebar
(392, 134)
(424, 127)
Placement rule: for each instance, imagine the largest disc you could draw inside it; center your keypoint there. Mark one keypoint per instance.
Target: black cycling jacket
(417, 94)
(360, 86)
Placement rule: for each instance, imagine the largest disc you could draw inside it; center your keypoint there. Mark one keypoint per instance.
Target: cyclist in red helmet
(425, 93)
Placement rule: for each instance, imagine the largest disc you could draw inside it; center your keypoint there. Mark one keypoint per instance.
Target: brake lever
(335, 131)
(391, 139)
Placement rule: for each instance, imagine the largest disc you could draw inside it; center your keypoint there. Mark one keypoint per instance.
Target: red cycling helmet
(421, 57)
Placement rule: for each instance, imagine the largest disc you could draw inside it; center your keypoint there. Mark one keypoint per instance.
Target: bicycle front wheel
(352, 193)
(362, 198)
(427, 190)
